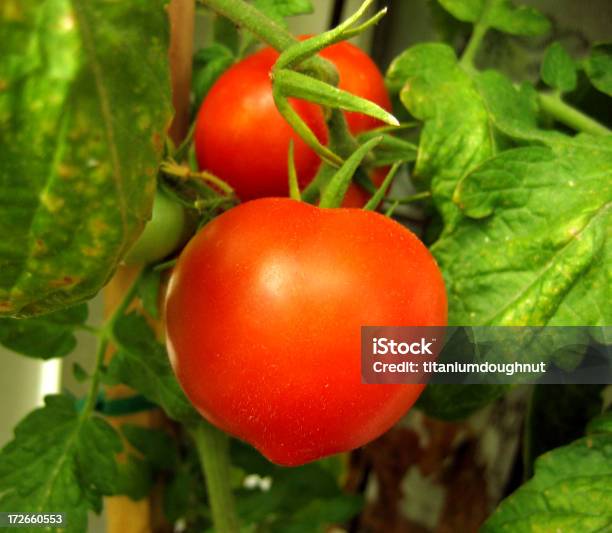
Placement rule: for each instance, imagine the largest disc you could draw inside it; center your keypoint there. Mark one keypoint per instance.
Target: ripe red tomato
(264, 311)
(241, 137)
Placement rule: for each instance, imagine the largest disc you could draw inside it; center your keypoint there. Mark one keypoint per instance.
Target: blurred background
(576, 23)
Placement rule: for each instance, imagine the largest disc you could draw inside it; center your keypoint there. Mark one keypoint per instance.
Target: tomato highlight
(264, 315)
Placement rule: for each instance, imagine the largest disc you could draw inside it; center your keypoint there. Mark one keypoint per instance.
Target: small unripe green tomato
(162, 235)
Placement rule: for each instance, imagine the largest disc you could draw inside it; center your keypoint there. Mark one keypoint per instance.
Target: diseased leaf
(84, 103)
(534, 246)
(58, 462)
(502, 15)
(558, 69)
(46, 336)
(457, 134)
(468, 116)
(599, 67)
(142, 363)
(459, 130)
(570, 491)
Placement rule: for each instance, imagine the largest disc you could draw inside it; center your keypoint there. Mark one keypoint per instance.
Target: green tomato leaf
(156, 445)
(84, 104)
(558, 415)
(79, 373)
(601, 424)
(558, 69)
(534, 248)
(225, 33)
(148, 288)
(58, 462)
(45, 336)
(598, 67)
(502, 15)
(208, 64)
(303, 499)
(456, 402)
(135, 478)
(570, 491)
(457, 134)
(334, 510)
(141, 362)
(512, 111)
(467, 117)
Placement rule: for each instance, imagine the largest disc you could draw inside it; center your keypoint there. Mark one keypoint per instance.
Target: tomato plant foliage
(515, 185)
(84, 102)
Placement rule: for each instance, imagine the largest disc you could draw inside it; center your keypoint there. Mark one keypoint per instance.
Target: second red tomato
(241, 137)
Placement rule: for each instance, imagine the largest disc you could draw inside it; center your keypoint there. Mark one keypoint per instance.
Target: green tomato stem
(473, 45)
(247, 16)
(185, 173)
(553, 105)
(213, 449)
(377, 197)
(303, 50)
(334, 192)
(104, 337)
(340, 139)
(412, 198)
(92, 394)
(296, 122)
(294, 187)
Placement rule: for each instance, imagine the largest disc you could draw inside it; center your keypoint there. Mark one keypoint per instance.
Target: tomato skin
(264, 310)
(242, 138)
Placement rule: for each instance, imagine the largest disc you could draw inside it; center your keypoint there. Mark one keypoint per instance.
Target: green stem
(412, 198)
(185, 173)
(294, 187)
(105, 334)
(553, 105)
(392, 208)
(473, 45)
(92, 394)
(213, 449)
(94, 330)
(377, 197)
(247, 16)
